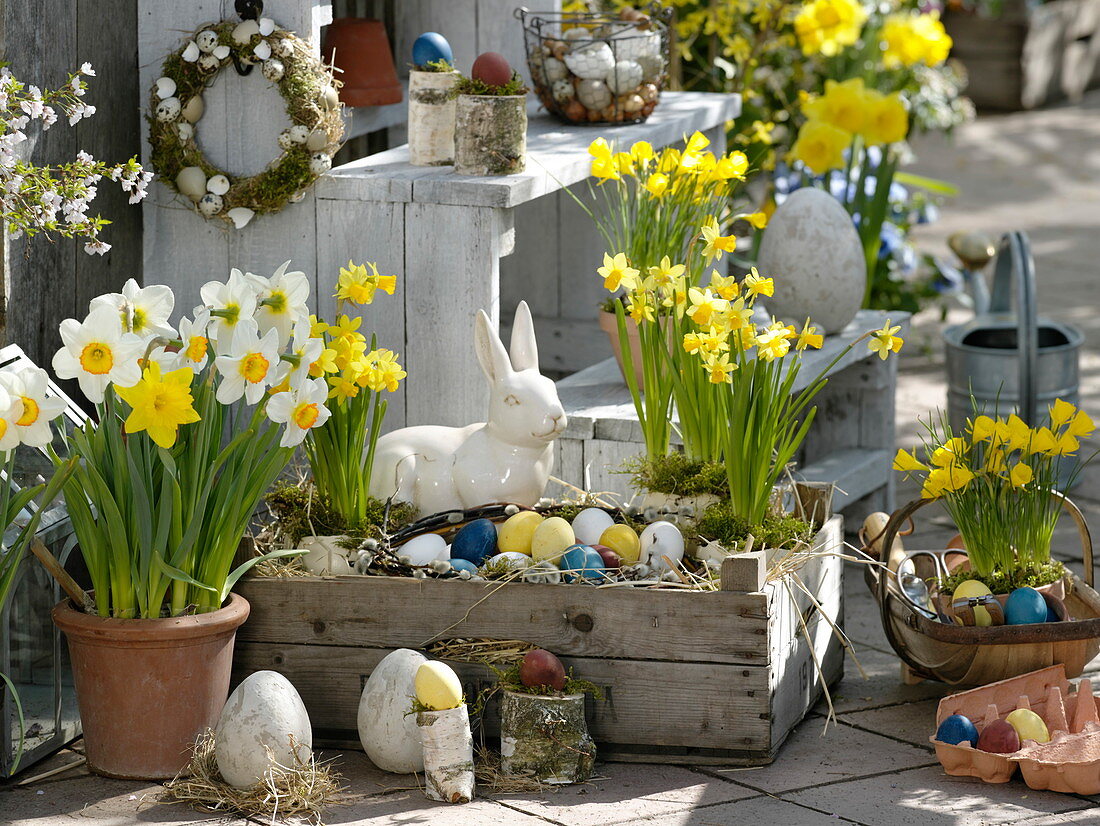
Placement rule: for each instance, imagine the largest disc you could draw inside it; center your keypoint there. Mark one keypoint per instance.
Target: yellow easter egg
(517, 532)
(623, 541)
(437, 686)
(973, 588)
(551, 538)
(1028, 725)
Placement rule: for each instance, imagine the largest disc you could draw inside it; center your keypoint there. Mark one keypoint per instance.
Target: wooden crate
(688, 677)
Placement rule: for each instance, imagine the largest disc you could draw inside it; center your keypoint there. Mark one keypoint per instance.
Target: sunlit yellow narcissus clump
(912, 38)
(827, 26)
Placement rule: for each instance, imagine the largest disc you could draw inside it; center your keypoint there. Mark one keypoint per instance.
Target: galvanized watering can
(1012, 362)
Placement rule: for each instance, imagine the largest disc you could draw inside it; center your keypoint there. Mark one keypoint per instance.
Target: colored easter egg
(540, 668)
(437, 686)
(973, 588)
(491, 69)
(589, 525)
(1028, 725)
(573, 561)
(517, 531)
(463, 565)
(957, 729)
(609, 557)
(623, 541)
(1025, 606)
(430, 47)
(662, 545)
(423, 549)
(593, 564)
(476, 541)
(551, 538)
(999, 737)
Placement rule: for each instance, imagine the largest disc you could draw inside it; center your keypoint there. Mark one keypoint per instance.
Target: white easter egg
(632, 44)
(390, 737)
(594, 94)
(168, 110)
(210, 204)
(589, 525)
(591, 62)
(813, 253)
(298, 133)
(330, 98)
(661, 540)
(166, 87)
(191, 52)
(562, 91)
(317, 140)
(191, 181)
(263, 713)
(206, 40)
(193, 109)
(513, 559)
(218, 184)
(319, 163)
(285, 141)
(625, 77)
(325, 557)
(244, 31)
(422, 549)
(240, 216)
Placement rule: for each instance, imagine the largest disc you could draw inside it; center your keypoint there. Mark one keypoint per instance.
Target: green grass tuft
(472, 86)
(1005, 582)
(676, 475)
(301, 511)
(721, 524)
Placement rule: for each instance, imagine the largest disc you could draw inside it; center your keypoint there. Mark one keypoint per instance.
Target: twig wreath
(176, 105)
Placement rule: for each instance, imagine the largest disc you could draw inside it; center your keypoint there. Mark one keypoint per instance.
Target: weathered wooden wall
(44, 40)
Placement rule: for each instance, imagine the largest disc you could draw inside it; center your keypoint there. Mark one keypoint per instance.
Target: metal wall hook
(242, 69)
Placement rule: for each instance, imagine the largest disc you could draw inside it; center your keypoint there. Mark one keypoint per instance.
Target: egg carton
(1069, 762)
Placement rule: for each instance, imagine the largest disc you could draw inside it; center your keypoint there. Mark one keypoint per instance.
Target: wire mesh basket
(598, 68)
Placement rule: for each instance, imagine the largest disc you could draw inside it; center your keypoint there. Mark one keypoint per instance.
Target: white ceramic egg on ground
(591, 62)
(589, 525)
(263, 714)
(390, 737)
(813, 253)
(661, 540)
(325, 557)
(423, 549)
(626, 76)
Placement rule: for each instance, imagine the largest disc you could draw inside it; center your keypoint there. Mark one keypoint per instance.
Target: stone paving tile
(626, 792)
(813, 756)
(928, 797)
(1084, 817)
(883, 686)
(911, 722)
(363, 778)
(760, 810)
(413, 809)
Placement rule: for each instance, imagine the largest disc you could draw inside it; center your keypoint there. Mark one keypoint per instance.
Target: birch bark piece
(448, 754)
(490, 134)
(431, 118)
(546, 736)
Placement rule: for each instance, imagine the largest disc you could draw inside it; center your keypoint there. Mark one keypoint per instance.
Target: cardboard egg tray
(1069, 763)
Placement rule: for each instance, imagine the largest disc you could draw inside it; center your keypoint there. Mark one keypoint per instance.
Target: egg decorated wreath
(176, 107)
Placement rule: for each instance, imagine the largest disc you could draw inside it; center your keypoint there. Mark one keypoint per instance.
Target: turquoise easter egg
(476, 541)
(957, 729)
(574, 561)
(431, 46)
(593, 564)
(463, 565)
(1025, 606)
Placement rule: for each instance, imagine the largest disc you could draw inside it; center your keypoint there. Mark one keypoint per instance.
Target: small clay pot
(148, 687)
(359, 48)
(490, 134)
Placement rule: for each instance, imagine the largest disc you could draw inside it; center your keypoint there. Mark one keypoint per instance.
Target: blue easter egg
(574, 560)
(593, 564)
(957, 729)
(1025, 606)
(475, 542)
(431, 46)
(459, 564)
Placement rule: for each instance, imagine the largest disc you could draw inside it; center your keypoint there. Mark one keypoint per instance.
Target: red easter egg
(491, 69)
(609, 557)
(542, 669)
(999, 737)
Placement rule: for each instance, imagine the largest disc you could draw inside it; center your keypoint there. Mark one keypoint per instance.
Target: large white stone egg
(263, 713)
(812, 252)
(390, 737)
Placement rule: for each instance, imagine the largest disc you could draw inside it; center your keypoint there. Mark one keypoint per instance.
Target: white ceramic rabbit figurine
(507, 459)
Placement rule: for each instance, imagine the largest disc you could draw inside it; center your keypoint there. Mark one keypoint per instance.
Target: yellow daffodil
(885, 341)
(705, 343)
(731, 167)
(639, 308)
(346, 326)
(820, 146)
(808, 336)
(714, 243)
(757, 219)
(1065, 445)
(642, 152)
(724, 285)
(160, 403)
(844, 105)
(1016, 433)
(705, 305)
(325, 363)
(624, 163)
(1020, 475)
(828, 26)
(665, 275)
(773, 344)
(756, 285)
(738, 316)
(617, 272)
(983, 429)
(995, 460)
(719, 368)
(1061, 412)
(657, 184)
(382, 371)
(950, 452)
(907, 462)
(1041, 441)
(911, 38)
(359, 285)
(886, 121)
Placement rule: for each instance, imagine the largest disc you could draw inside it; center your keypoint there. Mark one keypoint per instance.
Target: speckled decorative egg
(210, 204)
(298, 133)
(430, 47)
(263, 716)
(475, 542)
(591, 62)
(1028, 725)
(594, 94)
(437, 686)
(283, 47)
(273, 70)
(390, 737)
(422, 549)
(208, 63)
(973, 588)
(511, 559)
(492, 69)
(662, 546)
(168, 110)
(206, 40)
(463, 565)
(957, 729)
(562, 90)
(319, 163)
(589, 525)
(1025, 606)
(551, 538)
(999, 737)
(623, 541)
(517, 531)
(555, 70)
(285, 140)
(624, 77)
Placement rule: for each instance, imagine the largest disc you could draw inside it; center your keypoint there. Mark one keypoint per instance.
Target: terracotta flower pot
(147, 687)
(610, 325)
(360, 49)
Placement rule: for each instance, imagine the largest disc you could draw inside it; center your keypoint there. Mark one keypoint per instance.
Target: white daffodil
(143, 310)
(11, 408)
(97, 352)
(194, 335)
(281, 300)
(300, 410)
(303, 352)
(29, 386)
(250, 364)
(229, 303)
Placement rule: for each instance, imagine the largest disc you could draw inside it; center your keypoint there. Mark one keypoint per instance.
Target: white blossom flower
(300, 410)
(281, 301)
(249, 365)
(195, 347)
(97, 352)
(229, 302)
(33, 105)
(141, 310)
(30, 386)
(305, 350)
(97, 247)
(86, 69)
(11, 408)
(49, 117)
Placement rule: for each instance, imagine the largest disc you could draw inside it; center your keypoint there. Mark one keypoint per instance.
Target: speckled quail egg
(210, 204)
(319, 163)
(206, 40)
(299, 133)
(562, 90)
(168, 110)
(273, 70)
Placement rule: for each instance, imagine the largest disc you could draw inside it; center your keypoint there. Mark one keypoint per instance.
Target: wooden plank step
(856, 472)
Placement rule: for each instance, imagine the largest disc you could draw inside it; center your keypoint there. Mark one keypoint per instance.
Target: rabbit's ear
(490, 350)
(523, 349)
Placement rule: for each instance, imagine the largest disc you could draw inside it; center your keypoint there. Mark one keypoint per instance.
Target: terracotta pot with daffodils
(194, 424)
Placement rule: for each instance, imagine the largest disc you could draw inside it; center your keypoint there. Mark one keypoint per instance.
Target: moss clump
(1005, 582)
(677, 475)
(720, 523)
(301, 511)
(473, 86)
(509, 680)
(433, 66)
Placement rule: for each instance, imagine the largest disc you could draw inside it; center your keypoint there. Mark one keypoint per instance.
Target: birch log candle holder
(491, 119)
(448, 754)
(546, 736)
(432, 118)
